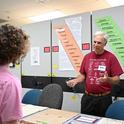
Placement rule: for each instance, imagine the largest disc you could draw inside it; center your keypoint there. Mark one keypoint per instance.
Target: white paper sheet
(31, 109)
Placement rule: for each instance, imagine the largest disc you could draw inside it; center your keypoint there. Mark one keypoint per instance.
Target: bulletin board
(38, 60)
(111, 21)
(72, 36)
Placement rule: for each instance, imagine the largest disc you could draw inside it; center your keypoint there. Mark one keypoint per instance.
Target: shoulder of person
(111, 55)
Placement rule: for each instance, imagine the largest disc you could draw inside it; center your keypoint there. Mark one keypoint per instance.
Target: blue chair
(32, 97)
(116, 110)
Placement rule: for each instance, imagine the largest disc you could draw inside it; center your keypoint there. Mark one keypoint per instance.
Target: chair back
(52, 96)
(32, 97)
(116, 110)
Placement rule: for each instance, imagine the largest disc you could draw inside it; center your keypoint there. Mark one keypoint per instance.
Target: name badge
(102, 68)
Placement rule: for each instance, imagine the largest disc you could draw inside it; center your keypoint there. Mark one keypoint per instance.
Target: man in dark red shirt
(99, 70)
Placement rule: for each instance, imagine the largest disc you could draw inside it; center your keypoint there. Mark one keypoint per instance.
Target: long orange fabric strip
(70, 46)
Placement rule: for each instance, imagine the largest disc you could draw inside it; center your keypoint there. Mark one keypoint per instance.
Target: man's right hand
(80, 78)
(71, 83)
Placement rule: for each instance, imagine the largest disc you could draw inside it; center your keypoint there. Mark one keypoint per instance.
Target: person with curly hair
(14, 45)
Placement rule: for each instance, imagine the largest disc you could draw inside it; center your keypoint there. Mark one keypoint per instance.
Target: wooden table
(55, 116)
(49, 116)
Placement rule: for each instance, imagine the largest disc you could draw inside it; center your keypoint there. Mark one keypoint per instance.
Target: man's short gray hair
(103, 34)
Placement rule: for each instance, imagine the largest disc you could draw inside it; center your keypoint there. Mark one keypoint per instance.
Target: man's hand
(104, 78)
(71, 83)
(80, 78)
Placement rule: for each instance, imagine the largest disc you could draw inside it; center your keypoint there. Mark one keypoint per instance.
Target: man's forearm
(80, 78)
(114, 80)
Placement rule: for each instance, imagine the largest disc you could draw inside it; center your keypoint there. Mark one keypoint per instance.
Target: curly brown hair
(13, 44)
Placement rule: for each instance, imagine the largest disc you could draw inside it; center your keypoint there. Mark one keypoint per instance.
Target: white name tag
(102, 68)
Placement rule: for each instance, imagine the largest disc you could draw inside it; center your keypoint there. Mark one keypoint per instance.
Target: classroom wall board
(72, 35)
(38, 60)
(111, 21)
